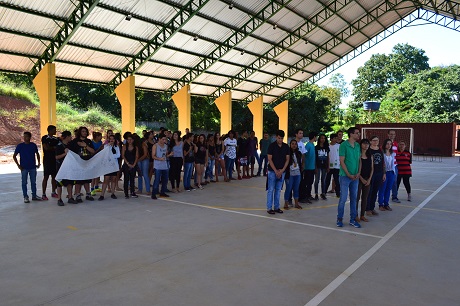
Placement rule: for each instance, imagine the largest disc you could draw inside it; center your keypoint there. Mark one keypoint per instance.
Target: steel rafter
(300, 32)
(235, 38)
(420, 14)
(166, 33)
(82, 10)
(45, 38)
(331, 43)
(440, 7)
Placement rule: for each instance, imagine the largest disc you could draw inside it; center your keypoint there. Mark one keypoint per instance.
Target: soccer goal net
(406, 134)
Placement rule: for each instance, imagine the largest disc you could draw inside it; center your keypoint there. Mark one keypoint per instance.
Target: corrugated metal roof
(107, 40)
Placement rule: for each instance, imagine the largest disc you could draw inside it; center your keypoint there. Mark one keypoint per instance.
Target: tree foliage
(382, 71)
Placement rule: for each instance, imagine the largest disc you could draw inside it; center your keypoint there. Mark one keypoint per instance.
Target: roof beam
(301, 31)
(420, 14)
(82, 10)
(331, 43)
(269, 10)
(184, 15)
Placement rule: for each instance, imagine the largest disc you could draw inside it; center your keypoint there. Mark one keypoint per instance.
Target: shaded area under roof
(252, 47)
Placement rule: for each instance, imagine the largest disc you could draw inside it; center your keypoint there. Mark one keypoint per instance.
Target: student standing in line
(278, 161)
(98, 146)
(378, 175)
(150, 142)
(394, 148)
(27, 151)
(404, 160)
(366, 170)
(220, 161)
(61, 151)
(263, 145)
(292, 175)
(143, 164)
(201, 158)
(110, 179)
(334, 166)
(385, 188)
(322, 165)
(160, 156)
(310, 165)
(82, 146)
(230, 154)
(130, 155)
(252, 152)
(211, 147)
(176, 160)
(350, 153)
(189, 160)
(242, 156)
(49, 143)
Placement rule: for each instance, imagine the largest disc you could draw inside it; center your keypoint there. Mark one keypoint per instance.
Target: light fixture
(303, 72)
(230, 6)
(128, 17)
(275, 26)
(195, 38)
(242, 52)
(306, 42)
(276, 63)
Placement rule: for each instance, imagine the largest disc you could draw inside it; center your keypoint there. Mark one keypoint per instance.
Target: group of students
(164, 155)
(361, 168)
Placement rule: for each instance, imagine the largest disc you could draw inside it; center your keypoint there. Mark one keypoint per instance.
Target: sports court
(218, 246)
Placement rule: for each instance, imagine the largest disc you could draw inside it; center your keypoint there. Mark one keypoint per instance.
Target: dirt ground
(13, 124)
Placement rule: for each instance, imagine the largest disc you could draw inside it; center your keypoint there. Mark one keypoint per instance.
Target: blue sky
(441, 45)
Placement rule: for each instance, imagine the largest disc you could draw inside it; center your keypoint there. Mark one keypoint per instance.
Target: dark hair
(66, 134)
(280, 133)
(326, 142)
(312, 135)
(147, 135)
(127, 134)
(50, 127)
(333, 135)
(81, 128)
(351, 130)
(365, 141)
(115, 143)
(385, 144)
(28, 134)
(373, 137)
(292, 140)
(296, 131)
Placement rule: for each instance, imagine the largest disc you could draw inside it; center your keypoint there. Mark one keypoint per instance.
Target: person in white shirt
(334, 164)
(230, 153)
(111, 178)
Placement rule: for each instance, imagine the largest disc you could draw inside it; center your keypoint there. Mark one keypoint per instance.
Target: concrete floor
(218, 246)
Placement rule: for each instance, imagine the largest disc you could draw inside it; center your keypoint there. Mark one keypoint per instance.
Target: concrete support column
(282, 112)
(257, 110)
(184, 105)
(127, 97)
(224, 104)
(45, 85)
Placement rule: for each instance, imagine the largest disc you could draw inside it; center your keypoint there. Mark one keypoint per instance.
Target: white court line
(423, 190)
(358, 263)
(275, 219)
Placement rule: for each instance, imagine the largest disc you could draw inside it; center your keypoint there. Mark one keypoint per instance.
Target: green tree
(382, 71)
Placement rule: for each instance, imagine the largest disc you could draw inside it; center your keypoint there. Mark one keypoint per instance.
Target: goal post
(406, 134)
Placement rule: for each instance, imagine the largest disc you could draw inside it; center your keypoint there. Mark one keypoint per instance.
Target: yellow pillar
(224, 104)
(183, 103)
(257, 110)
(127, 97)
(283, 114)
(45, 85)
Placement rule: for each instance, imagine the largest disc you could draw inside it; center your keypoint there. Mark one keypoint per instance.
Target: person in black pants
(130, 156)
(176, 161)
(377, 176)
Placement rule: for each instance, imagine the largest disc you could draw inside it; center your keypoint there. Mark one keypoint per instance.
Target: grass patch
(18, 93)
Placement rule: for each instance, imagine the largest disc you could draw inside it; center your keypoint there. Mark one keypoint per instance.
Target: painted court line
(321, 296)
(274, 219)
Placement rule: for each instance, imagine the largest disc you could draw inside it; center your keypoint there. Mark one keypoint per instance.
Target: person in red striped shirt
(404, 161)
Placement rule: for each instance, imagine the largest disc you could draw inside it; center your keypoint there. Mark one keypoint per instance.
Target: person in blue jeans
(278, 160)
(389, 176)
(292, 175)
(350, 154)
(189, 161)
(160, 156)
(28, 151)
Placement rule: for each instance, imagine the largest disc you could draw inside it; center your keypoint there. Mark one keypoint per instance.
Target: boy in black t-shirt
(60, 153)
(242, 156)
(82, 146)
(49, 143)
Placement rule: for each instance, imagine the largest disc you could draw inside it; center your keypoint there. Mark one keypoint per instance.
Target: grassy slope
(68, 118)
